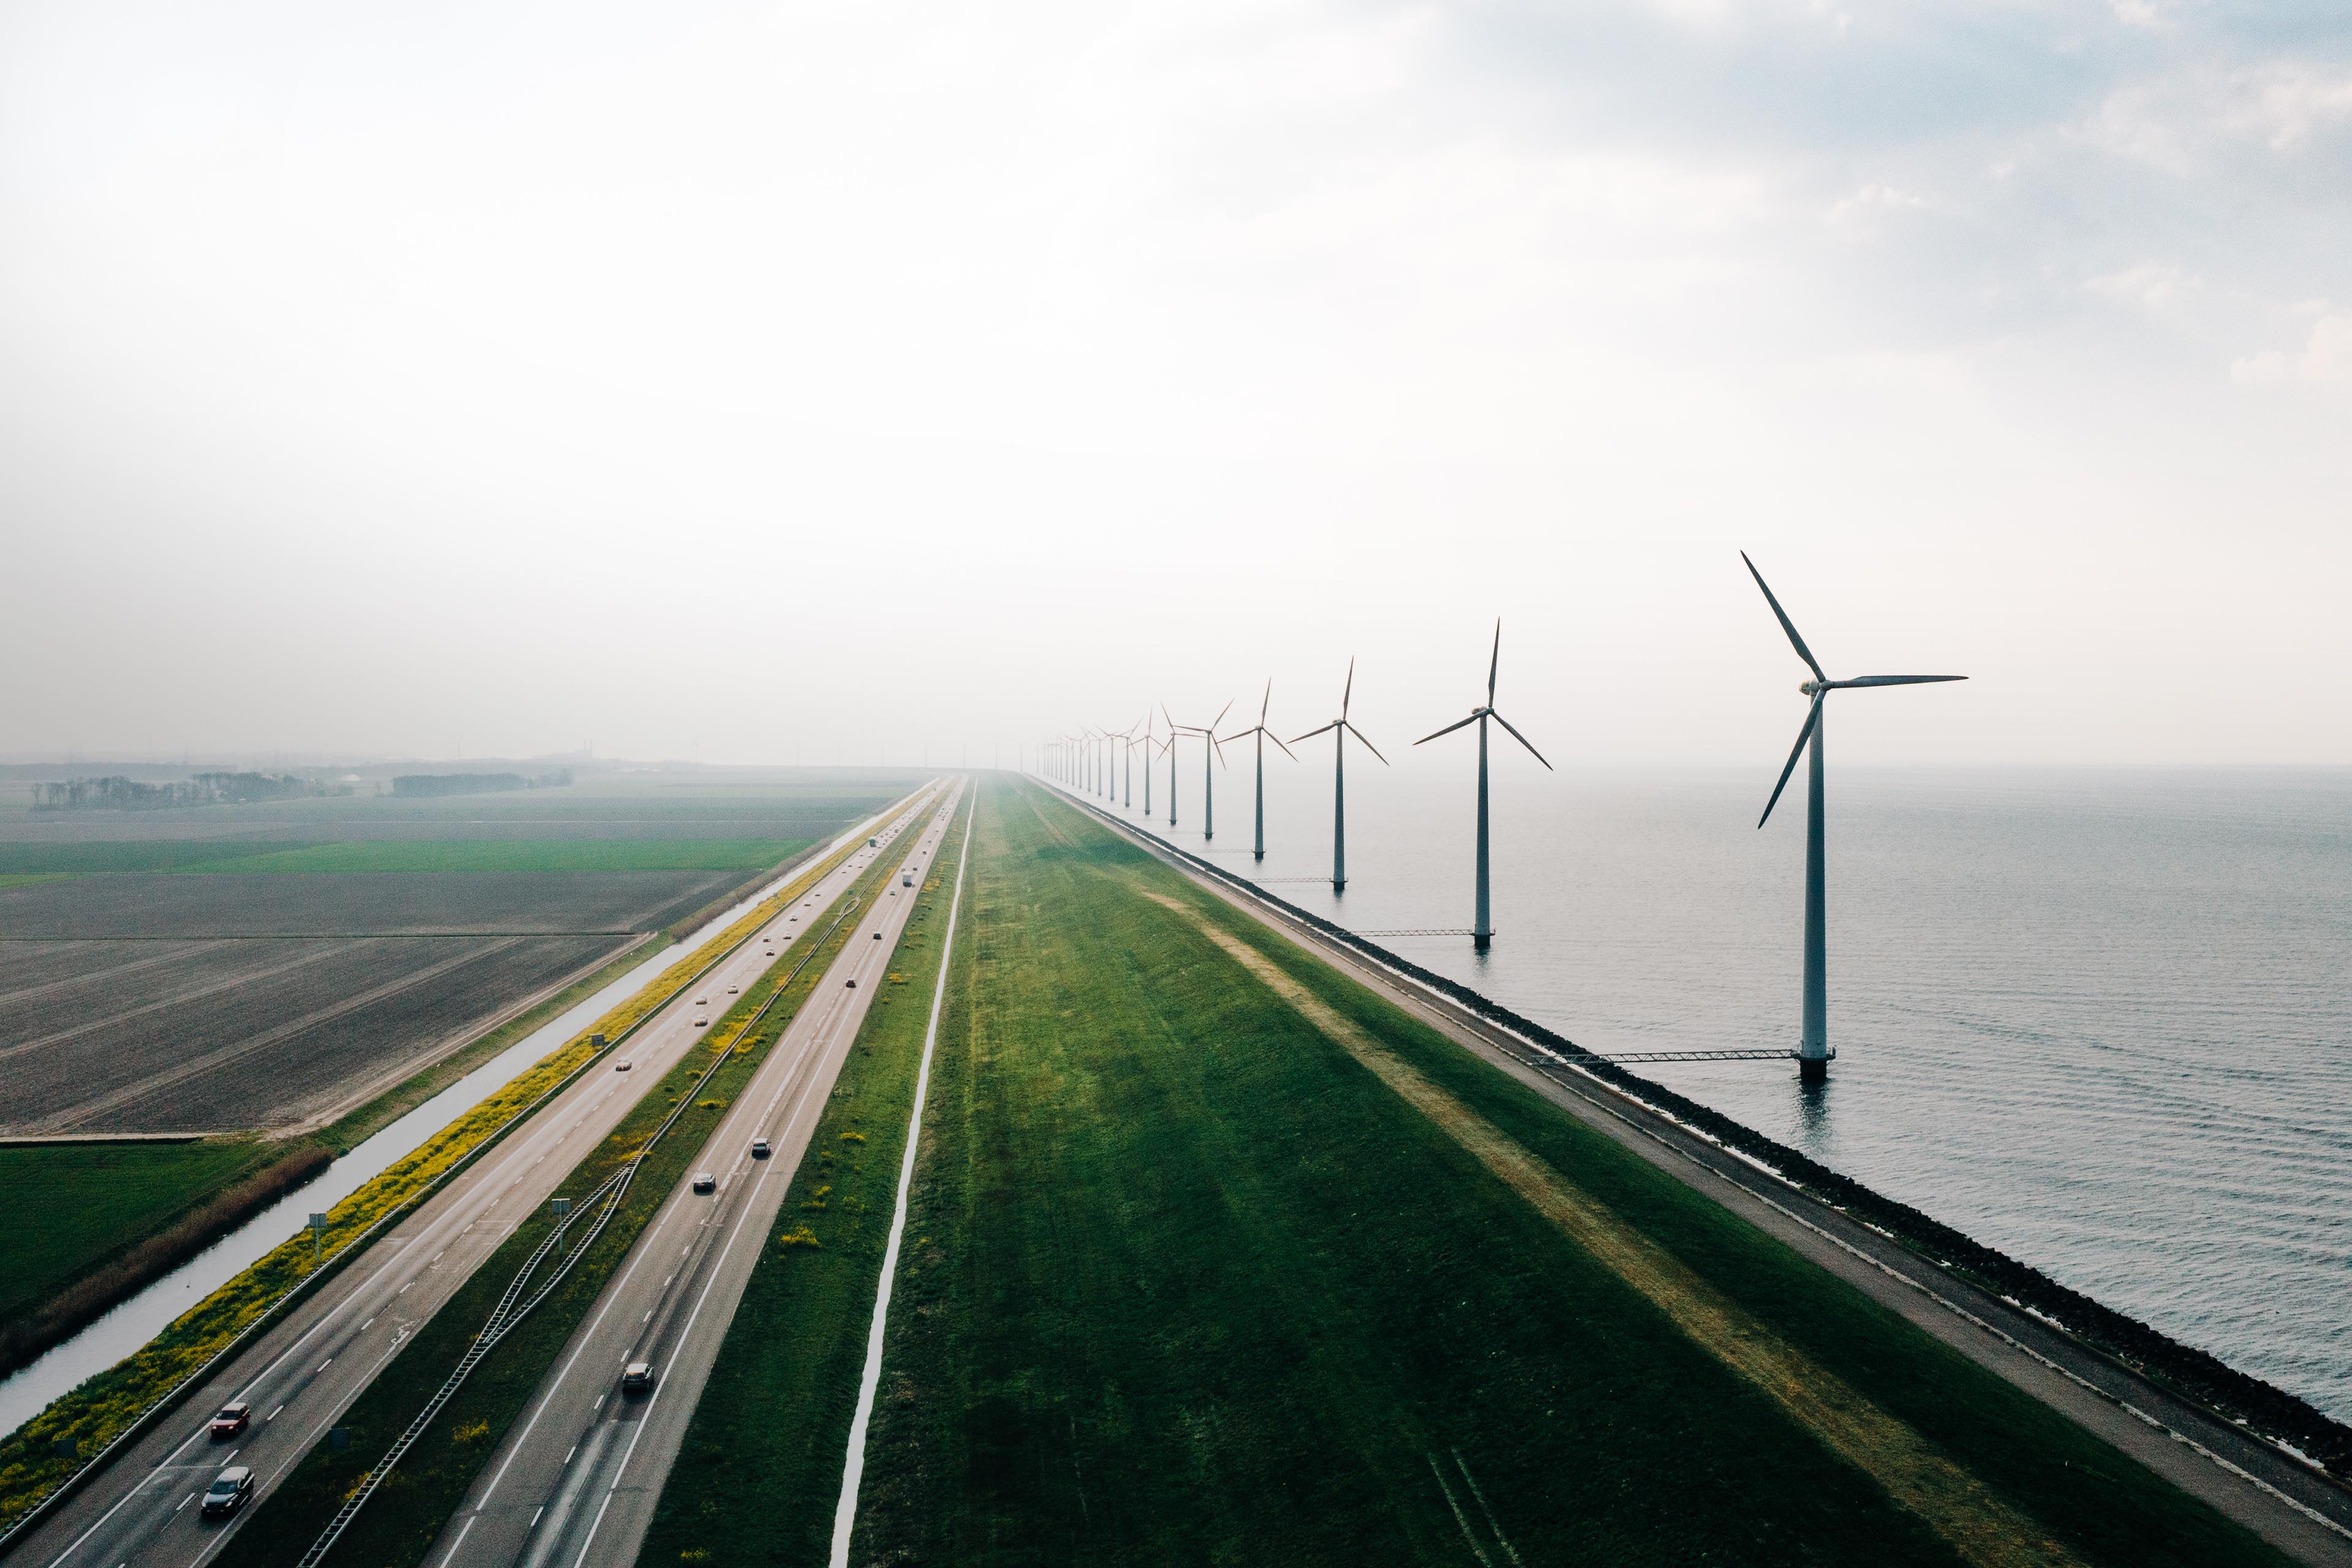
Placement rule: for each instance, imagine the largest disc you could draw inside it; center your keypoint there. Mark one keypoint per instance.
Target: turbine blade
(1786, 625)
(1268, 703)
(1496, 664)
(1286, 749)
(1369, 747)
(1812, 717)
(1312, 733)
(1523, 740)
(1447, 730)
(1897, 680)
(1221, 713)
(1349, 690)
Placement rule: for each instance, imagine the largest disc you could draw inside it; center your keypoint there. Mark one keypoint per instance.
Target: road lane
(305, 1372)
(576, 1479)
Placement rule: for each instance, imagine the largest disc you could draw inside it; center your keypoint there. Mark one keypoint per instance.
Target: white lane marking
(534, 1519)
(459, 1542)
(185, 1501)
(366, 1326)
(575, 1448)
(853, 1470)
(273, 1416)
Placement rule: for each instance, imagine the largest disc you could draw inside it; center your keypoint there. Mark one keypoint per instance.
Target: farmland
(230, 1036)
(1216, 1256)
(228, 970)
(58, 1203)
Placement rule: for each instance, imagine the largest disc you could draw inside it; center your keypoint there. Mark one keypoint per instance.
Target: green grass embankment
(94, 1414)
(1215, 1256)
(774, 1421)
(397, 1528)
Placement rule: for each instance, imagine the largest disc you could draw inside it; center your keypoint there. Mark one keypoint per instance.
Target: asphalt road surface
(304, 1373)
(578, 1475)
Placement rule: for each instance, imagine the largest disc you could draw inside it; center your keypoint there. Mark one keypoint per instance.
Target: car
(852, 985)
(637, 1380)
(230, 1419)
(730, 991)
(624, 1064)
(702, 1023)
(703, 1182)
(759, 1148)
(229, 1491)
(702, 1001)
(877, 936)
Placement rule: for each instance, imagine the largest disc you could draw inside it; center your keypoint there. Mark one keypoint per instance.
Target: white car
(730, 991)
(624, 1064)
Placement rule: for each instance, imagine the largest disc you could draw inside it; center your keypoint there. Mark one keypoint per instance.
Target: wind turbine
(1264, 735)
(1813, 1045)
(1210, 751)
(1126, 751)
(1339, 778)
(1482, 934)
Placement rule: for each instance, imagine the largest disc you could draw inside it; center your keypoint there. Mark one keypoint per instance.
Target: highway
(304, 1373)
(577, 1477)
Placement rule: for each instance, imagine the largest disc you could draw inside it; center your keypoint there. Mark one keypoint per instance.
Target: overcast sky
(775, 383)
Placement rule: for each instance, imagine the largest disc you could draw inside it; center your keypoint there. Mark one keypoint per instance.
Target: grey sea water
(2101, 1020)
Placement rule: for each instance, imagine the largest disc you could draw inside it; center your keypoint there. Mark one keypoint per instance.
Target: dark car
(852, 985)
(229, 1491)
(637, 1380)
(759, 1148)
(230, 1419)
(703, 1182)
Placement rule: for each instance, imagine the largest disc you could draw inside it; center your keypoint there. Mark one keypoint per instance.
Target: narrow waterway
(30, 1389)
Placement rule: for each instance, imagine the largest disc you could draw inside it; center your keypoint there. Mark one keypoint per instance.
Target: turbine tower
(1813, 1046)
(1482, 934)
(1210, 752)
(1264, 735)
(1342, 730)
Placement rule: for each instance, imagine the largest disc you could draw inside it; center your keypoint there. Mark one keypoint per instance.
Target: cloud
(2326, 358)
(2151, 284)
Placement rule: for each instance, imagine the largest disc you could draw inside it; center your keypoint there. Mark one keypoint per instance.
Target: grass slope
(774, 1418)
(398, 1526)
(441, 856)
(1186, 1282)
(66, 1207)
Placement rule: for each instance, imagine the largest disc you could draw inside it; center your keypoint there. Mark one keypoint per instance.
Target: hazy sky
(771, 383)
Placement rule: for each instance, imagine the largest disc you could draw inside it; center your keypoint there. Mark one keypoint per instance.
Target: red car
(230, 1419)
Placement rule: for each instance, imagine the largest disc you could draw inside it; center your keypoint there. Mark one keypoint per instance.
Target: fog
(818, 381)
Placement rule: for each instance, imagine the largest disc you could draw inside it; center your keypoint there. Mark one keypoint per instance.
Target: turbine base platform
(1813, 1069)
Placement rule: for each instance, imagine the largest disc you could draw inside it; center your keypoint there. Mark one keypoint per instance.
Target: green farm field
(65, 1207)
(1217, 1257)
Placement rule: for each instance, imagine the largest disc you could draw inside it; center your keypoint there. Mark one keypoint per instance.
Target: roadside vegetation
(397, 1528)
(774, 1421)
(1216, 1256)
(41, 1454)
